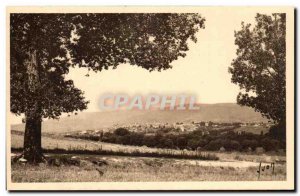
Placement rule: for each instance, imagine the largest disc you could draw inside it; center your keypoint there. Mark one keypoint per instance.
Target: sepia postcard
(150, 98)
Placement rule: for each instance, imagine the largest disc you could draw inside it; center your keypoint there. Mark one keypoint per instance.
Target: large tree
(259, 68)
(44, 46)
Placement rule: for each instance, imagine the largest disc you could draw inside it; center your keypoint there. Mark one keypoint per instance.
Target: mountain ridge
(220, 112)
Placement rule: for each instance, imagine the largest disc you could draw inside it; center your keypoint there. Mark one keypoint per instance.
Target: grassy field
(131, 169)
(230, 166)
(77, 144)
(69, 144)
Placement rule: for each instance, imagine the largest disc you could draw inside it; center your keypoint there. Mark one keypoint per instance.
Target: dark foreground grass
(136, 153)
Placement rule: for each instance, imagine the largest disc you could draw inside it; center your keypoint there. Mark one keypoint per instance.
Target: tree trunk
(32, 149)
(32, 140)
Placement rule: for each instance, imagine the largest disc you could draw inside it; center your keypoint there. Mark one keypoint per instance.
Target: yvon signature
(266, 169)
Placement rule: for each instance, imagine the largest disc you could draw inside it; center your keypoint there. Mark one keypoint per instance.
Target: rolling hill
(225, 112)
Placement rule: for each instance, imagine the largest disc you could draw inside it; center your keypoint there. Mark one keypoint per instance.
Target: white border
(5, 3)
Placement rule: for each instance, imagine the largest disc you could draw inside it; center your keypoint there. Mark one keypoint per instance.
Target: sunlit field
(230, 166)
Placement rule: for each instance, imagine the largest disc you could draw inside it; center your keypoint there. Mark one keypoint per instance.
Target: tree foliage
(94, 41)
(259, 68)
(46, 35)
(151, 41)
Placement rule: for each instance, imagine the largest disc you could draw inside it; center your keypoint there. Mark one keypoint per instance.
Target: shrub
(232, 145)
(149, 140)
(214, 144)
(127, 140)
(193, 144)
(165, 138)
(181, 142)
(121, 131)
(246, 143)
(270, 144)
(136, 138)
(226, 143)
(168, 143)
(109, 137)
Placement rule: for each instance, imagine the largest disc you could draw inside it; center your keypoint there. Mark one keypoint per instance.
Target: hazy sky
(203, 72)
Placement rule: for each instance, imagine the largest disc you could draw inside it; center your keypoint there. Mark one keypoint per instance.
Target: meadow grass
(121, 169)
(70, 144)
(136, 153)
(231, 166)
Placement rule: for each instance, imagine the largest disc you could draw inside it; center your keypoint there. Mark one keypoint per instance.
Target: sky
(203, 72)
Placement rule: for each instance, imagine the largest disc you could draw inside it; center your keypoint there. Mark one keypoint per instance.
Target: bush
(121, 131)
(270, 144)
(226, 143)
(232, 145)
(193, 144)
(109, 137)
(136, 139)
(168, 143)
(181, 142)
(127, 139)
(191, 140)
(214, 145)
(149, 140)
(246, 143)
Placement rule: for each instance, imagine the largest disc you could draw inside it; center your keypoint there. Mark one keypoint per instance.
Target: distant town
(180, 126)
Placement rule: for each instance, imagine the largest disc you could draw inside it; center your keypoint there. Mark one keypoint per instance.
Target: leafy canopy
(94, 41)
(259, 68)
